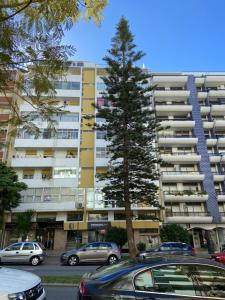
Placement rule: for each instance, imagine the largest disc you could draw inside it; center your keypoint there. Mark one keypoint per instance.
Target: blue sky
(176, 35)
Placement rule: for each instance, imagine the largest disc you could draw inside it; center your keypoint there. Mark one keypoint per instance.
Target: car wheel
(73, 260)
(112, 259)
(35, 261)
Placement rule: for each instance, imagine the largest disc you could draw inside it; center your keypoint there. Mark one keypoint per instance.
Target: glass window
(65, 172)
(209, 281)
(101, 152)
(14, 247)
(74, 217)
(69, 118)
(123, 283)
(101, 86)
(66, 85)
(28, 246)
(101, 135)
(92, 246)
(103, 246)
(176, 279)
(144, 281)
(98, 217)
(67, 134)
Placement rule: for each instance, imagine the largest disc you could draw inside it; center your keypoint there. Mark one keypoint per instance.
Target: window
(209, 281)
(101, 152)
(119, 216)
(92, 246)
(65, 172)
(187, 280)
(67, 134)
(104, 246)
(101, 86)
(28, 174)
(101, 135)
(124, 283)
(28, 246)
(66, 85)
(103, 102)
(69, 118)
(74, 217)
(98, 217)
(14, 247)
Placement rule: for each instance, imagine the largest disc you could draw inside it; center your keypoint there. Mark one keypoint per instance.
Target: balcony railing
(179, 153)
(187, 214)
(175, 119)
(176, 136)
(180, 172)
(184, 193)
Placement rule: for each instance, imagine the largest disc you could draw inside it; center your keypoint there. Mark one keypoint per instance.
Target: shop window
(74, 217)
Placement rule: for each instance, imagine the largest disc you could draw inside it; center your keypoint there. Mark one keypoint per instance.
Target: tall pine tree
(130, 129)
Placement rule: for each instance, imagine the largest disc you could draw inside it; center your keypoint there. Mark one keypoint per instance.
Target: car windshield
(104, 271)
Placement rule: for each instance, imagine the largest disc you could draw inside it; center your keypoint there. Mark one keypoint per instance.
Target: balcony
(216, 94)
(46, 143)
(219, 123)
(181, 157)
(185, 196)
(188, 217)
(47, 206)
(101, 162)
(220, 196)
(176, 80)
(221, 140)
(211, 141)
(163, 110)
(214, 157)
(39, 162)
(180, 140)
(173, 123)
(218, 109)
(222, 214)
(208, 124)
(52, 182)
(205, 109)
(217, 177)
(172, 96)
(202, 95)
(181, 176)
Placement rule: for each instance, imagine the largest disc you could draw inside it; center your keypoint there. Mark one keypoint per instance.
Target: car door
(11, 253)
(103, 251)
(26, 252)
(166, 282)
(88, 253)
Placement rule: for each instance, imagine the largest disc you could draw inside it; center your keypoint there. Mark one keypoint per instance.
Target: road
(61, 293)
(52, 267)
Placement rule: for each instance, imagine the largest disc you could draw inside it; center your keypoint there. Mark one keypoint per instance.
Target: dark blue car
(183, 278)
(176, 248)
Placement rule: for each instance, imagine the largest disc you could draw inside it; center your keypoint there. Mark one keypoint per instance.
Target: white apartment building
(191, 109)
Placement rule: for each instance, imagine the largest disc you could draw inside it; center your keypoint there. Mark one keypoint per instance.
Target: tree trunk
(128, 211)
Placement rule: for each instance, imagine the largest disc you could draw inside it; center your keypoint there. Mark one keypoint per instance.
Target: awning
(206, 226)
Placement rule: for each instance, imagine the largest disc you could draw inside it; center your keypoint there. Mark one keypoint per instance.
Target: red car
(219, 256)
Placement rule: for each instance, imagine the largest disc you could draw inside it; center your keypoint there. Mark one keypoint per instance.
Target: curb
(61, 284)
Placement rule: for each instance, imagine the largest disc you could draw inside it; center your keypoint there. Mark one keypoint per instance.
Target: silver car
(23, 252)
(93, 252)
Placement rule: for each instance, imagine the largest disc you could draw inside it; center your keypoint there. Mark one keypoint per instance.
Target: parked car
(23, 252)
(93, 252)
(166, 277)
(16, 284)
(219, 256)
(176, 248)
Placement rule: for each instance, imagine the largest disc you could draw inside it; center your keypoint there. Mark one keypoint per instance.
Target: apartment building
(191, 110)
(60, 171)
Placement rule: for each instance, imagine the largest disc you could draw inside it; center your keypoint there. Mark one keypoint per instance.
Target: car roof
(175, 259)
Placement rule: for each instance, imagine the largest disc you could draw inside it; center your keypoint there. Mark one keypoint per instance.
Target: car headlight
(17, 296)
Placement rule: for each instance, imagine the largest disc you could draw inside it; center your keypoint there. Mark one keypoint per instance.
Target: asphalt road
(61, 293)
(47, 269)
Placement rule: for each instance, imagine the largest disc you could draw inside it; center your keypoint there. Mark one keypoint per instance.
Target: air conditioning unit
(79, 205)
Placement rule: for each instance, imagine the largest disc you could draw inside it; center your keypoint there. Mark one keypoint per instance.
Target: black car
(171, 277)
(176, 248)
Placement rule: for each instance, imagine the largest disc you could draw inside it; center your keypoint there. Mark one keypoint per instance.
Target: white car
(20, 285)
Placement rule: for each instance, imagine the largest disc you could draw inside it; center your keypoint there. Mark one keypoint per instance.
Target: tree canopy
(10, 189)
(23, 223)
(130, 128)
(32, 56)
(116, 235)
(174, 233)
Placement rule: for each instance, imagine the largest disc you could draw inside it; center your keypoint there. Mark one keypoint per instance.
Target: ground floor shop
(59, 235)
